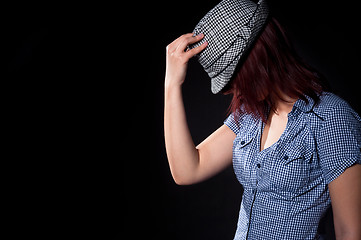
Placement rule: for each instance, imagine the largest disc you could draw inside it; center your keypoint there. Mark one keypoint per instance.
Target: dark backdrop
(86, 106)
(324, 35)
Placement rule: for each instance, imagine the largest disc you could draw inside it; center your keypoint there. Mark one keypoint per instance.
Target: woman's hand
(178, 57)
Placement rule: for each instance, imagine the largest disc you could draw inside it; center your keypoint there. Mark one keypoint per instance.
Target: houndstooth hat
(229, 28)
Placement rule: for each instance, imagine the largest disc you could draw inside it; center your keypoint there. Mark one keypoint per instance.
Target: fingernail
(200, 35)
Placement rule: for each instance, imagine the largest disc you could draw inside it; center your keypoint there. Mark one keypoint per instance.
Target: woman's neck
(284, 104)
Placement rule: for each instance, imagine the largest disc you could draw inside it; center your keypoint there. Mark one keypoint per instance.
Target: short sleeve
(232, 123)
(339, 141)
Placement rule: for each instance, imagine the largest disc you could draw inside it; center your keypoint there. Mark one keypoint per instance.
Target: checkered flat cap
(230, 28)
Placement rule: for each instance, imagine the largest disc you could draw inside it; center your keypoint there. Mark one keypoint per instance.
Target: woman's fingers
(179, 46)
(196, 38)
(174, 45)
(187, 40)
(177, 58)
(195, 51)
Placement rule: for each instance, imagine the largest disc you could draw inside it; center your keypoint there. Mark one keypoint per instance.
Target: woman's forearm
(182, 154)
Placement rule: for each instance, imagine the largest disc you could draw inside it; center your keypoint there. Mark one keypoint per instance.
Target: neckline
(260, 133)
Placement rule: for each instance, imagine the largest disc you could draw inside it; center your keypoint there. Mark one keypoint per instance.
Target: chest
(286, 167)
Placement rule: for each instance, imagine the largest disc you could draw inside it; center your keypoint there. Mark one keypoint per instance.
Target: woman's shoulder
(332, 106)
(239, 120)
(329, 101)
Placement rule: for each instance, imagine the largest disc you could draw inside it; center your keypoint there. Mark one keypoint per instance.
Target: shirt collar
(303, 105)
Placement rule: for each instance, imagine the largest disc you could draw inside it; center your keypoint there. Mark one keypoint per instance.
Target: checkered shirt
(285, 186)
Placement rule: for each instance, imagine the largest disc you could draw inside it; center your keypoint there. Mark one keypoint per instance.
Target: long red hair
(271, 67)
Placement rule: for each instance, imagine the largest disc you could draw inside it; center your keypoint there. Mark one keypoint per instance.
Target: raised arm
(189, 164)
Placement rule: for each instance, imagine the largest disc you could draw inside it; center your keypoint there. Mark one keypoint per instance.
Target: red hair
(272, 67)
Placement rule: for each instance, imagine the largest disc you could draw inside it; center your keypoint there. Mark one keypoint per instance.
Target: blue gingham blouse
(285, 186)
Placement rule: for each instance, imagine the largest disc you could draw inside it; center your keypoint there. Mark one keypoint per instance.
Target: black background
(84, 101)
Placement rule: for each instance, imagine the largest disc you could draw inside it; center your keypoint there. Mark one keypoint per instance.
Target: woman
(295, 148)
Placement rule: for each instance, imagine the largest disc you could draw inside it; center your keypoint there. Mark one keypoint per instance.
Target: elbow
(182, 181)
(183, 174)
(178, 179)
(182, 178)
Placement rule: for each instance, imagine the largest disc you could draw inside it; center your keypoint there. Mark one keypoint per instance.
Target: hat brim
(222, 79)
